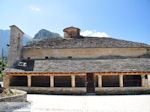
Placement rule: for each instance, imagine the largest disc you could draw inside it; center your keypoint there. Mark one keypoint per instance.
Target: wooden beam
(74, 73)
(44, 74)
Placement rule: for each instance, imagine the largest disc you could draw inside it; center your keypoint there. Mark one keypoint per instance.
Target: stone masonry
(15, 47)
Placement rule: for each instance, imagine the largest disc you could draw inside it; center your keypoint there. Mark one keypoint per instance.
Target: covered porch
(79, 82)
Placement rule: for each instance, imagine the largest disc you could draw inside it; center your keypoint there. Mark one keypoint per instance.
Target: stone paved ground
(54, 103)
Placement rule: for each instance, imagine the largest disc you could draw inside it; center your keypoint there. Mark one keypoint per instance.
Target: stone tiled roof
(86, 42)
(13, 70)
(93, 65)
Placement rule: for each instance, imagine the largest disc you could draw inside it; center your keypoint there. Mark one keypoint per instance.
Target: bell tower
(71, 32)
(15, 46)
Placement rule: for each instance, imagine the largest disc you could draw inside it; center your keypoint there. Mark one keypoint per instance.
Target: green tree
(2, 67)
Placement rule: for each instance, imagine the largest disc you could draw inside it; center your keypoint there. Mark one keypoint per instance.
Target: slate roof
(86, 42)
(93, 65)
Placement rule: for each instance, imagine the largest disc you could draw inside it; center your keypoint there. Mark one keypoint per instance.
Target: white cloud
(34, 8)
(94, 33)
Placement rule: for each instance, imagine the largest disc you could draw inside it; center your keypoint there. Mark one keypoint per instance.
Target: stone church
(77, 64)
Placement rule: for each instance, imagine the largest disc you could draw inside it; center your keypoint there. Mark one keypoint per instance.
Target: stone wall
(20, 96)
(15, 47)
(82, 90)
(41, 53)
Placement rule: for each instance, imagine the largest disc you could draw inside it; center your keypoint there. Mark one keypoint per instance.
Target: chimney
(71, 32)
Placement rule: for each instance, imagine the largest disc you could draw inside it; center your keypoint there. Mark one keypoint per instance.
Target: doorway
(90, 85)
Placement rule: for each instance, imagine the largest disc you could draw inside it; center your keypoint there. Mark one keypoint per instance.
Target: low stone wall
(20, 96)
(82, 90)
(122, 91)
(56, 90)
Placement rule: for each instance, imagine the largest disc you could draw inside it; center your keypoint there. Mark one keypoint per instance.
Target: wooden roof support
(74, 73)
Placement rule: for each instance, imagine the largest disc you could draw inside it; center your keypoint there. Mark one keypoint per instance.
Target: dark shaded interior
(96, 81)
(40, 81)
(132, 81)
(18, 81)
(110, 81)
(80, 81)
(62, 81)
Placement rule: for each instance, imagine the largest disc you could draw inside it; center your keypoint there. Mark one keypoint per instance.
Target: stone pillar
(29, 81)
(121, 80)
(143, 81)
(73, 81)
(51, 81)
(148, 76)
(15, 46)
(99, 80)
(6, 80)
(146, 80)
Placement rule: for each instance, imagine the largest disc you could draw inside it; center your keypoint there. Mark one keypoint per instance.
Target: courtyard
(65, 103)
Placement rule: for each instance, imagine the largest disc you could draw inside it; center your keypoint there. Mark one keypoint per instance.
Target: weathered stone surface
(41, 53)
(87, 42)
(7, 92)
(97, 65)
(15, 45)
(15, 96)
(82, 90)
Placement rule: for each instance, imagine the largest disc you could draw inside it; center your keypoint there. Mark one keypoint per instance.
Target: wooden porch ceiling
(74, 73)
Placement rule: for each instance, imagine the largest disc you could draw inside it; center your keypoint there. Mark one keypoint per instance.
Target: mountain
(4, 40)
(44, 34)
(5, 36)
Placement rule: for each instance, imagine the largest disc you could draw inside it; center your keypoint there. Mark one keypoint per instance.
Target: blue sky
(123, 19)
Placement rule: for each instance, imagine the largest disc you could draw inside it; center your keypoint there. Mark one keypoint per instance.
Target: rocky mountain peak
(45, 34)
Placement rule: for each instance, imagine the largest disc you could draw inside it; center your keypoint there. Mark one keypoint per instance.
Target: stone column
(146, 80)
(73, 81)
(15, 45)
(29, 81)
(143, 81)
(51, 81)
(121, 80)
(6, 80)
(99, 80)
(148, 76)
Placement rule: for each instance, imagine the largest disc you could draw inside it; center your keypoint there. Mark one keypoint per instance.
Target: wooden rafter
(74, 73)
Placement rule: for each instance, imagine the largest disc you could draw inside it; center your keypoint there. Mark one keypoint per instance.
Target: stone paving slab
(62, 103)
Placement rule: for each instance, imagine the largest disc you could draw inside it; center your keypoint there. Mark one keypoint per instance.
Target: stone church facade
(78, 64)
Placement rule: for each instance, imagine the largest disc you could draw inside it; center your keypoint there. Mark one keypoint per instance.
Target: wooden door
(90, 86)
